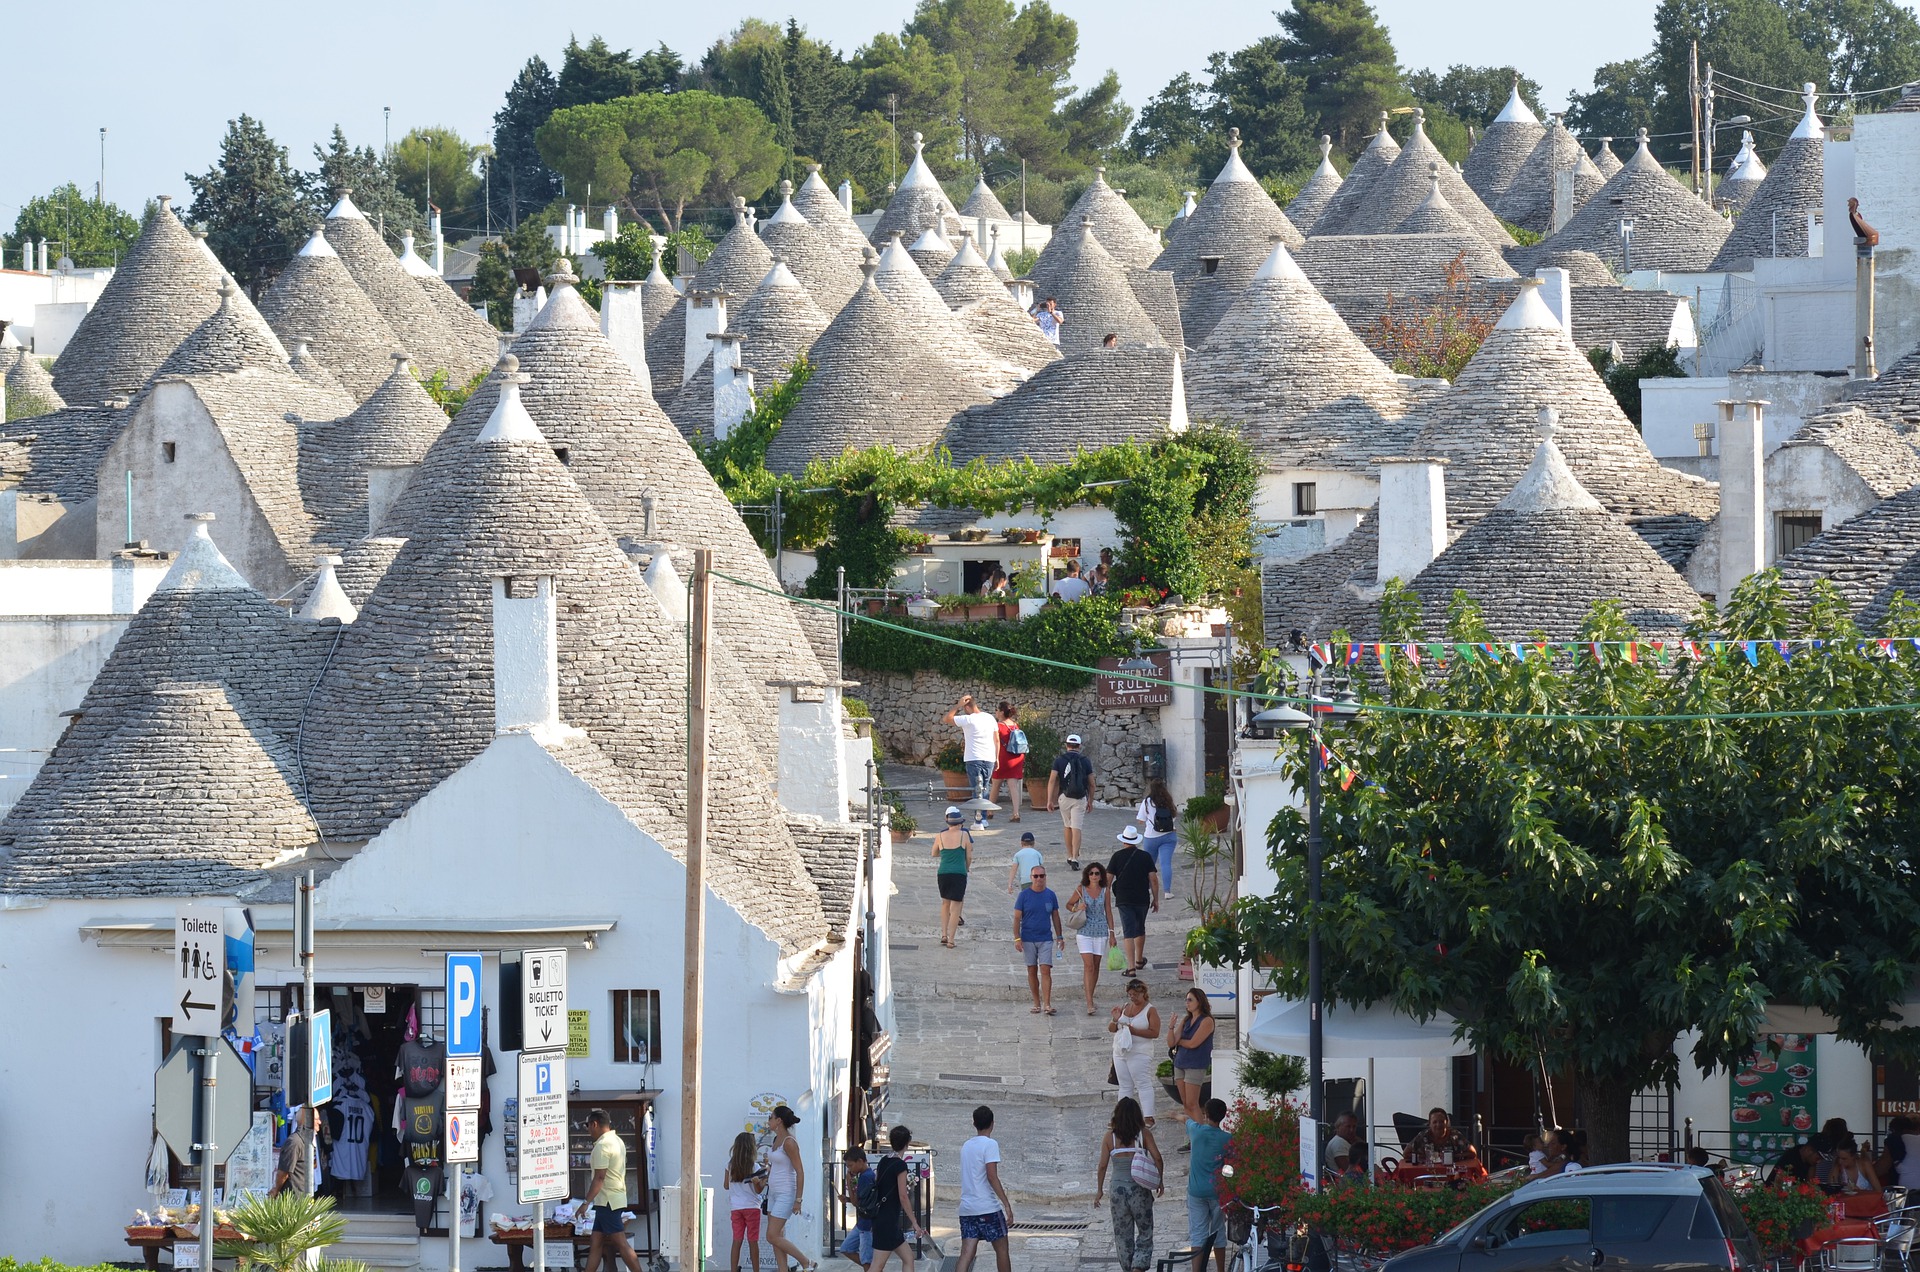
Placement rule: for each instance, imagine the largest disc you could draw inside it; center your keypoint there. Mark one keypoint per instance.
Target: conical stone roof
(397, 425)
(1773, 222)
(1584, 269)
(29, 388)
(931, 252)
(777, 324)
(1404, 187)
(1486, 425)
(314, 299)
(1673, 230)
(1502, 149)
(235, 338)
(164, 289)
(870, 387)
(829, 272)
(657, 296)
(1351, 197)
(917, 205)
(990, 313)
(1604, 160)
(666, 350)
(1093, 292)
(1223, 244)
(475, 337)
(1528, 201)
(1434, 216)
(1871, 558)
(982, 202)
(995, 261)
(925, 318)
(415, 323)
(1099, 398)
(739, 261)
(1303, 388)
(1317, 193)
(312, 370)
(817, 203)
(1744, 176)
(1118, 227)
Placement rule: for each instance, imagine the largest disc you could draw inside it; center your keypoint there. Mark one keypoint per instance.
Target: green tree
(250, 202)
(343, 166)
(824, 88)
(1095, 120)
(526, 246)
(436, 165)
(1583, 894)
(1014, 68)
(1625, 98)
(91, 234)
(592, 72)
(1254, 90)
(1346, 64)
(905, 77)
(522, 181)
(1172, 127)
(1474, 94)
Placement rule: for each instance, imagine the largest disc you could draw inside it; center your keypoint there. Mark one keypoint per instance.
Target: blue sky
(164, 79)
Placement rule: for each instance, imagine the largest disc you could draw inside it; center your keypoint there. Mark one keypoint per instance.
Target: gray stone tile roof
(1223, 244)
(1434, 215)
(990, 313)
(984, 202)
(1317, 193)
(1733, 195)
(666, 349)
(1884, 459)
(1868, 559)
(1894, 396)
(164, 289)
(778, 323)
(1405, 185)
(1093, 290)
(1158, 295)
(66, 447)
(1673, 230)
(311, 369)
(1485, 426)
(1314, 595)
(924, 317)
(234, 338)
(30, 389)
(1584, 269)
(1639, 320)
(931, 252)
(823, 212)
(833, 853)
(1351, 197)
(1604, 160)
(1773, 220)
(871, 387)
(1528, 201)
(475, 337)
(362, 564)
(415, 323)
(397, 424)
(657, 296)
(739, 261)
(1119, 228)
(1100, 397)
(251, 409)
(822, 263)
(1501, 152)
(918, 203)
(1401, 264)
(1303, 388)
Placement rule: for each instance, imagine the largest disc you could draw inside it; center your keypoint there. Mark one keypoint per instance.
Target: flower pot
(922, 609)
(986, 613)
(958, 787)
(901, 836)
(1217, 819)
(1036, 791)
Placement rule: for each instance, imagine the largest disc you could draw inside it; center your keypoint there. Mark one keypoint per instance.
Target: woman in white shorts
(1094, 899)
(786, 1177)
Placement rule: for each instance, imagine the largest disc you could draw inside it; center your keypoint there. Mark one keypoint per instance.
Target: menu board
(1773, 1099)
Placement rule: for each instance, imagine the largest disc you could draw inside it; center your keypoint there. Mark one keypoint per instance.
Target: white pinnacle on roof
(344, 207)
(410, 259)
(1516, 111)
(1746, 164)
(1528, 311)
(318, 246)
(918, 174)
(1326, 168)
(1548, 483)
(510, 421)
(1643, 143)
(201, 566)
(7, 338)
(1810, 122)
(931, 241)
(328, 599)
(1186, 208)
(1280, 264)
(996, 262)
(1235, 169)
(786, 213)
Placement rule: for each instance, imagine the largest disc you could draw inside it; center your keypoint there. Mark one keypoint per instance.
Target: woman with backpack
(1012, 768)
(1159, 829)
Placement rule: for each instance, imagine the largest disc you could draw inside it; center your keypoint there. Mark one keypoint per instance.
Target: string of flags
(1440, 653)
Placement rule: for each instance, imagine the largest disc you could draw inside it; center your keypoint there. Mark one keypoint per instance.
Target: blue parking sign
(464, 1026)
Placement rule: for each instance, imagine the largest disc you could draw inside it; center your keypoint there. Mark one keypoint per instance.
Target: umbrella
(1352, 1033)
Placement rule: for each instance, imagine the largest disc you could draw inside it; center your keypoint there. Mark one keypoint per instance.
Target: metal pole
(1693, 93)
(539, 1236)
(308, 889)
(694, 971)
(209, 1060)
(453, 1222)
(779, 525)
(129, 507)
(1315, 1007)
(1023, 205)
(102, 200)
(840, 623)
(1706, 95)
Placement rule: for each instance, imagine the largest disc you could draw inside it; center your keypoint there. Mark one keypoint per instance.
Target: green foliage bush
(1080, 633)
(1272, 1075)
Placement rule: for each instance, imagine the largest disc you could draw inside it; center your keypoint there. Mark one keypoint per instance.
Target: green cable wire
(1385, 708)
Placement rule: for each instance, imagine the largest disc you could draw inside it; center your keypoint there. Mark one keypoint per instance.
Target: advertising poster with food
(1773, 1099)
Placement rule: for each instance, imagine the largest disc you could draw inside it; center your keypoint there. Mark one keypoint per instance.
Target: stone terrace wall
(907, 711)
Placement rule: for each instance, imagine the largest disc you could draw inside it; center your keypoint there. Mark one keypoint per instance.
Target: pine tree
(250, 202)
(592, 72)
(1347, 66)
(360, 169)
(523, 183)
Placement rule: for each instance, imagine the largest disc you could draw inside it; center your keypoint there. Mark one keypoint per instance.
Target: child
(1536, 1155)
(743, 1181)
(859, 1243)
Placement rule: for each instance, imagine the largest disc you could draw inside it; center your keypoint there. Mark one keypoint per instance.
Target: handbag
(1146, 1171)
(1113, 1075)
(1077, 919)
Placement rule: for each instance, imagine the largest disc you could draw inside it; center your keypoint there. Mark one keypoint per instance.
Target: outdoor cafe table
(1409, 1174)
(1861, 1210)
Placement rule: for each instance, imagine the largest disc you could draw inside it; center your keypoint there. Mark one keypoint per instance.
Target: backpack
(1162, 818)
(1073, 778)
(866, 1199)
(1017, 741)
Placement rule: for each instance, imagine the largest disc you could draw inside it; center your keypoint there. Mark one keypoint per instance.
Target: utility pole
(1706, 102)
(209, 1053)
(1693, 93)
(1023, 206)
(100, 191)
(386, 136)
(893, 110)
(694, 958)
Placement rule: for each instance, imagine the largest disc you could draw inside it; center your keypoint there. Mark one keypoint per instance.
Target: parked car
(1629, 1218)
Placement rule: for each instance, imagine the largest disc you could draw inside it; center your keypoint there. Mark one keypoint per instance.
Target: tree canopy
(1590, 894)
(251, 204)
(522, 181)
(1347, 66)
(593, 72)
(89, 233)
(344, 166)
(1474, 94)
(437, 165)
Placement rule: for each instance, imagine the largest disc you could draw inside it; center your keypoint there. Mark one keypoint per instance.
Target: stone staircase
(381, 1241)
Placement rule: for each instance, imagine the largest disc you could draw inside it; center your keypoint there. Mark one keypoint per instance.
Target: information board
(542, 1156)
(1773, 1099)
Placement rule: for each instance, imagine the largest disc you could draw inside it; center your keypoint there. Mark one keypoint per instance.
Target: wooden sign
(1120, 692)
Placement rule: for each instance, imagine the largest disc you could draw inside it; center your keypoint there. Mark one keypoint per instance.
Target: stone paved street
(965, 1037)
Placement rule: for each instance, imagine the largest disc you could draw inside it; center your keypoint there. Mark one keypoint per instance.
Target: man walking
(1025, 861)
(607, 1190)
(980, 739)
(985, 1210)
(293, 1172)
(1036, 933)
(1136, 889)
(1206, 1226)
(1070, 790)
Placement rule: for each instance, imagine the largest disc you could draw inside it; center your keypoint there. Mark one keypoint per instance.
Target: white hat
(1073, 739)
(953, 810)
(1131, 835)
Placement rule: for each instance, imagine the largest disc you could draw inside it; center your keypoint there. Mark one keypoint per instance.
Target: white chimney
(610, 223)
(813, 761)
(1177, 420)
(845, 193)
(623, 323)
(1022, 291)
(1556, 290)
(328, 599)
(385, 484)
(1413, 515)
(666, 585)
(439, 261)
(706, 316)
(566, 231)
(732, 384)
(1743, 495)
(26, 255)
(526, 655)
(44, 269)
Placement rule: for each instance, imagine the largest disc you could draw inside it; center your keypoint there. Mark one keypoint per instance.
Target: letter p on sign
(463, 1005)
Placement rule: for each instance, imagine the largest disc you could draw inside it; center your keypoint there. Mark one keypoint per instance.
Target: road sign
(463, 1082)
(463, 1005)
(176, 1099)
(543, 1126)
(310, 1059)
(198, 998)
(543, 999)
(463, 1135)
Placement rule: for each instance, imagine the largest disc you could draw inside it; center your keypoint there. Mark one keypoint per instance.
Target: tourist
(1128, 1150)
(1900, 1160)
(1071, 586)
(1563, 1153)
(995, 584)
(1049, 319)
(1097, 584)
(894, 1217)
(1536, 1146)
(786, 1184)
(1071, 781)
(953, 850)
(1012, 769)
(1036, 934)
(1441, 1143)
(1190, 1038)
(1158, 816)
(1110, 341)
(293, 1171)
(743, 1180)
(1093, 900)
(1136, 891)
(1345, 1150)
(1135, 1027)
(985, 1210)
(1026, 860)
(980, 738)
(1848, 1172)
(1206, 1225)
(607, 1190)
(859, 1182)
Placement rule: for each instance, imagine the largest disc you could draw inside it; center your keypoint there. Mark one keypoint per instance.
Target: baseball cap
(1131, 835)
(1073, 739)
(953, 813)
(1026, 837)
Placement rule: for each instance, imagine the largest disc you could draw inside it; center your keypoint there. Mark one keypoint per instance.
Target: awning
(431, 937)
(1352, 1033)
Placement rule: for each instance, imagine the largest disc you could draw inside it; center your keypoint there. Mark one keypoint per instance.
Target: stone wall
(907, 711)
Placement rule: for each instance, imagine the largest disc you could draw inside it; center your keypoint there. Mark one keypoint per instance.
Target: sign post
(543, 1139)
(198, 998)
(543, 1000)
(464, 1026)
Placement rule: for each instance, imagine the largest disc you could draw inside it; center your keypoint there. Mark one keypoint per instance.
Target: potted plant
(279, 1233)
(1274, 1076)
(1210, 807)
(899, 820)
(1043, 744)
(953, 607)
(951, 760)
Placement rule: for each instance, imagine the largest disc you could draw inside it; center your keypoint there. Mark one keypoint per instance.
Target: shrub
(1212, 800)
(899, 818)
(1081, 633)
(1264, 1152)
(950, 758)
(1775, 1214)
(1272, 1075)
(1043, 743)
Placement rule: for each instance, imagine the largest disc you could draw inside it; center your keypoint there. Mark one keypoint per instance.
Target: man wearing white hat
(1070, 790)
(1136, 889)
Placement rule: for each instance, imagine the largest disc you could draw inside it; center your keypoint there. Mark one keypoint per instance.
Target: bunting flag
(1631, 651)
(1752, 652)
(1354, 652)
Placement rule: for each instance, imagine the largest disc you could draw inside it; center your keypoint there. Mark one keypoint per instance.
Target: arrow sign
(543, 999)
(199, 969)
(188, 1007)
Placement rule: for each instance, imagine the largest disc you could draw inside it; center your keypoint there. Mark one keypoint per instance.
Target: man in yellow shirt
(608, 1193)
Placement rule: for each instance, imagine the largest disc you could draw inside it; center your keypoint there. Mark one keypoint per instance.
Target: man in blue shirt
(1036, 929)
(1206, 1227)
(858, 1247)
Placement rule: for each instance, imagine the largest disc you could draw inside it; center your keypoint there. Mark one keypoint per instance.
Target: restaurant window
(1306, 498)
(636, 1026)
(1794, 529)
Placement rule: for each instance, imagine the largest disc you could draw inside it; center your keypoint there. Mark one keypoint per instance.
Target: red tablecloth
(1820, 1238)
(1865, 1205)
(1409, 1174)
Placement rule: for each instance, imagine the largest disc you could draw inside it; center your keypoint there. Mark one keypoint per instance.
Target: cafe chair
(1895, 1233)
(1852, 1254)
